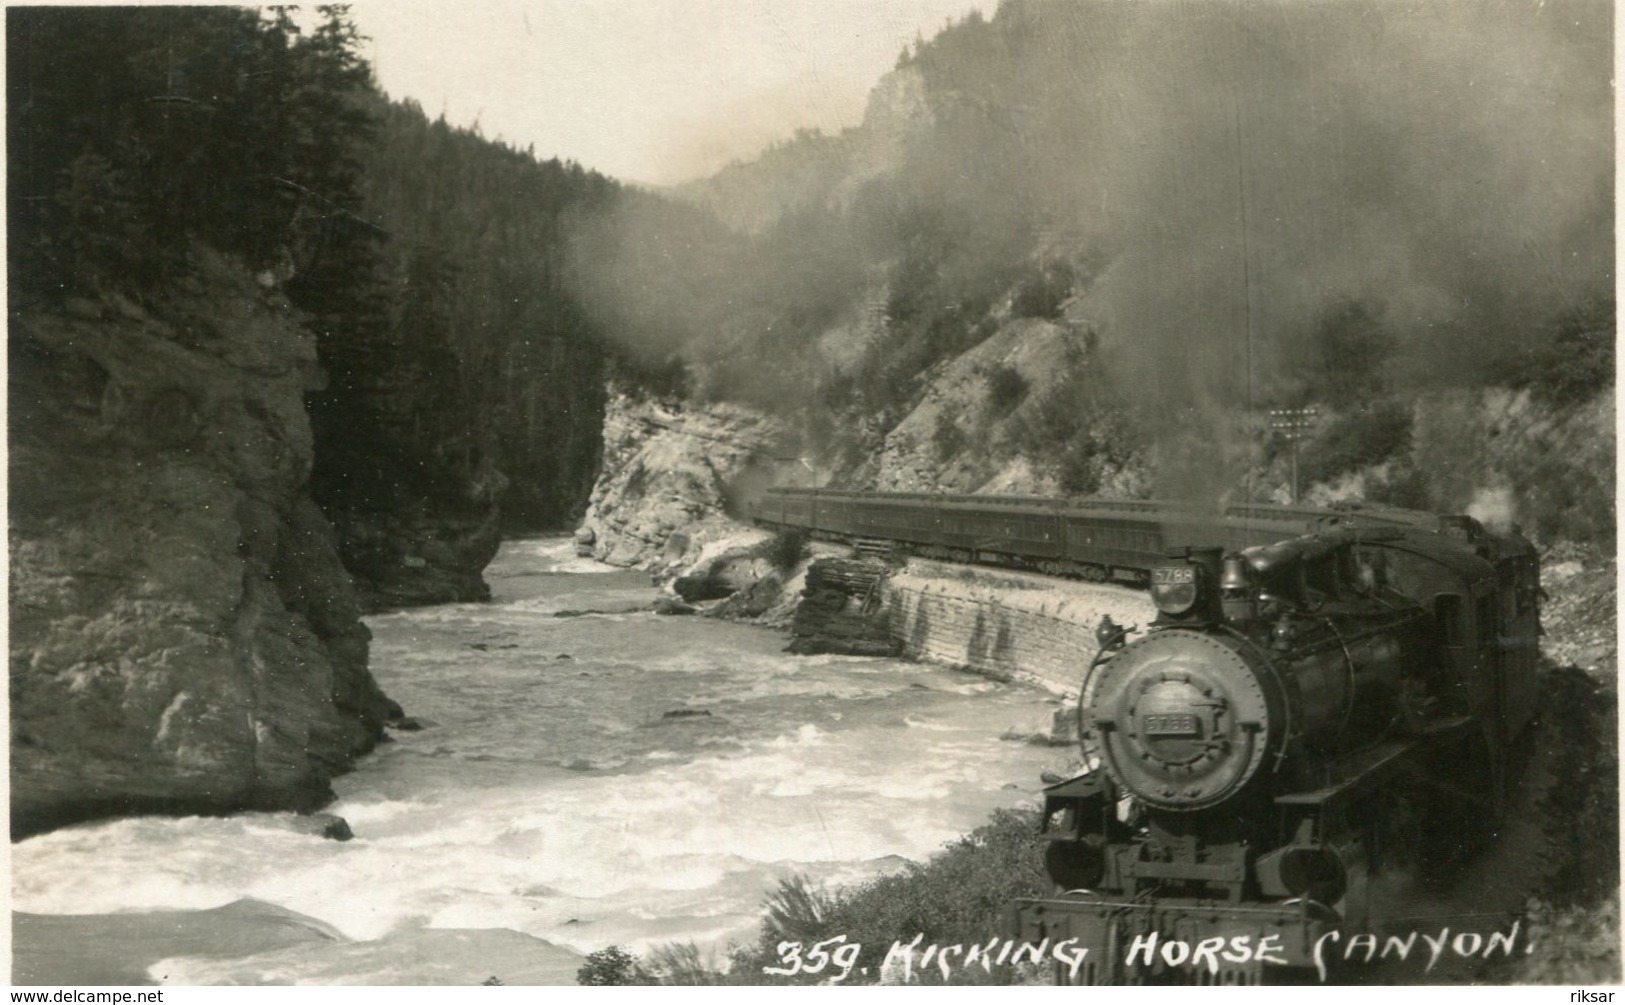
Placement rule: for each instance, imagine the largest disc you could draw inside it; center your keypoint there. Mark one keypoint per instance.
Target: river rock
(411, 724)
(183, 635)
(327, 825)
(406, 956)
(585, 538)
(753, 601)
(1051, 776)
(698, 589)
(673, 605)
(1063, 730)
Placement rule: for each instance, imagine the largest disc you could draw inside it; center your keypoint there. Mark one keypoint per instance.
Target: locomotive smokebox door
(1184, 717)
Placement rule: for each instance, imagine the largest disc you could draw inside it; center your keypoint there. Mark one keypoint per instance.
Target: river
(553, 793)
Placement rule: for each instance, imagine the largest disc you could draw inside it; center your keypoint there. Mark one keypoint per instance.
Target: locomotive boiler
(1301, 720)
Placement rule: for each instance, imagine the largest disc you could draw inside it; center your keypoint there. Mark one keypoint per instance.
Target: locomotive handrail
(1281, 683)
(1102, 654)
(1348, 674)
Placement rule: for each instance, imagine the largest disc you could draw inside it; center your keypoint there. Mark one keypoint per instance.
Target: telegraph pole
(1293, 424)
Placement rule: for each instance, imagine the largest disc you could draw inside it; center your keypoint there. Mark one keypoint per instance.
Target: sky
(649, 91)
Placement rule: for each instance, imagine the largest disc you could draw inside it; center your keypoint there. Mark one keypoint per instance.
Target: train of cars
(1117, 540)
(1310, 715)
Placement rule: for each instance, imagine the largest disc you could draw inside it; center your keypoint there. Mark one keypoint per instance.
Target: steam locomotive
(1324, 697)
(1300, 721)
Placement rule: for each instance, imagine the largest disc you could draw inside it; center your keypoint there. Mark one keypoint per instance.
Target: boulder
(753, 601)
(673, 605)
(119, 949)
(585, 539)
(1063, 730)
(410, 724)
(700, 588)
(326, 825)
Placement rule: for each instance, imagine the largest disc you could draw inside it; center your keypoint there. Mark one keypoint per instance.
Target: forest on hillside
(462, 375)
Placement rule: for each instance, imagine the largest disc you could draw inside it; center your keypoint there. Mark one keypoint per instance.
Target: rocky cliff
(183, 635)
(815, 170)
(1011, 415)
(675, 478)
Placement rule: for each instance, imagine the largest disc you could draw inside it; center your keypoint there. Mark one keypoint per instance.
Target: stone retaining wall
(1011, 626)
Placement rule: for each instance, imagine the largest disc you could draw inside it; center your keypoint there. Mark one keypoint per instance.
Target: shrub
(1407, 487)
(610, 966)
(1356, 440)
(1078, 470)
(1577, 362)
(1041, 295)
(1078, 432)
(681, 964)
(1579, 944)
(796, 910)
(1006, 389)
(1563, 499)
(947, 438)
(958, 896)
(786, 549)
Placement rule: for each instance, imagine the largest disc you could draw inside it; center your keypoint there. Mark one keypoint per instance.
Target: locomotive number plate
(1169, 724)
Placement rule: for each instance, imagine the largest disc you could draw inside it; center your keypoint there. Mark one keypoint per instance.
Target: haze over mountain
(1244, 205)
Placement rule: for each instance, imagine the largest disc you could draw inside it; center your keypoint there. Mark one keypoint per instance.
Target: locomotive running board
(1373, 767)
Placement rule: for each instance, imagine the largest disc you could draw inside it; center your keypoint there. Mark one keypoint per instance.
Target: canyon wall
(183, 635)
(676, 480)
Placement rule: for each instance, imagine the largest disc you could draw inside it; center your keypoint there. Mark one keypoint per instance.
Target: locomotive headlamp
(1174, 589)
